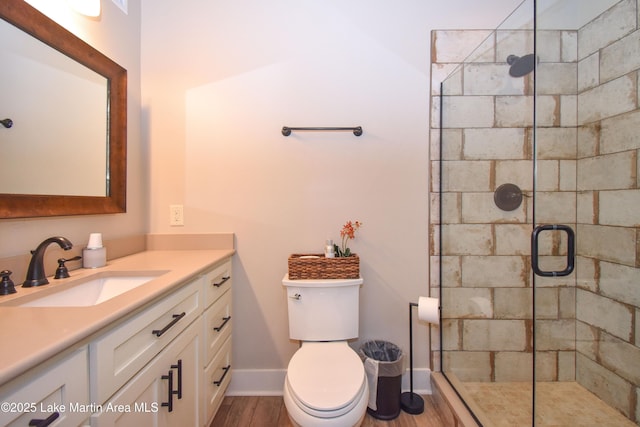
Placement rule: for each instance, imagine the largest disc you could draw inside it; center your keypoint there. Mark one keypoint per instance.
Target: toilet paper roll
(95, 241)
(428, 310)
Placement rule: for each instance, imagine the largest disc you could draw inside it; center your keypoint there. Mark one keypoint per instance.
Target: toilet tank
(323, 310)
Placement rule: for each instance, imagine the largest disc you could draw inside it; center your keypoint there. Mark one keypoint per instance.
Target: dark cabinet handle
(226, 370)
(170, 393)
(47, 421)
(571, 250)
(221, 282)
(178, 366)
(225, 320)
(176, 318)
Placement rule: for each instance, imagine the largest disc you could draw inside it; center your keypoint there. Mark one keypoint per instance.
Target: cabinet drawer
(118, 355)
(217, 282)
(217, 324)
(216, 380)
(62, 388)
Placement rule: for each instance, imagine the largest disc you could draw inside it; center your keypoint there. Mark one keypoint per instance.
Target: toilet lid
(325, 376)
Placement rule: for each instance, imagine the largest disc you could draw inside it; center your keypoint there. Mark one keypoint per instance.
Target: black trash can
(384, 365)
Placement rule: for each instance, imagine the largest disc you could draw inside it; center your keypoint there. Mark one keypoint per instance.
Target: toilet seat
(326, 379)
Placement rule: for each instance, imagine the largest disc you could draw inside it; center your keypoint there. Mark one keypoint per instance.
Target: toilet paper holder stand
(411, 402)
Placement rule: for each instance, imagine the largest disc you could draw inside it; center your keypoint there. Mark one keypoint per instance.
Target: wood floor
(269, 411)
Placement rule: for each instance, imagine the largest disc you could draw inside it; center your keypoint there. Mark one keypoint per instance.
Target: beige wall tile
(467, 176)
(587, 207)
(605, 314)
(547, 303)
(480, 208)
(568, 110)
(513, 366)
(549, 45)
(467, 239)
(556, 207)
(568, 175)
(469, 365)
(494, 271)
(566, 366)
(518, 172)
(517, 43)
(456, 45)
(467, 303)
(617, 167)
(495, 143)
(621, 283)
(467, 112)
(615, 244)
(555, 335)
(556, 143)
(621, 207)
(547, 365)
(589, 72)
(588, 140)
(512, 239)
(620, 133)
(609, 387)
(615, 97)
(513, 303)
(569, 40)
(567, 302)
(620, 57)
(607, 28)
(491, 79)
(556, 78)
(494, 335)
(620, 357)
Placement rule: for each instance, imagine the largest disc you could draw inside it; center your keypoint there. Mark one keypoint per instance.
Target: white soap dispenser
(329, 250)
(94, 255)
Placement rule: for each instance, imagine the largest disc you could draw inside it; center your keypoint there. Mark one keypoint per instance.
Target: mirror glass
(65, 151)
(67, 144)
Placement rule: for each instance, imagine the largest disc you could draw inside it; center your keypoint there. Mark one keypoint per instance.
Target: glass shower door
(585, 178)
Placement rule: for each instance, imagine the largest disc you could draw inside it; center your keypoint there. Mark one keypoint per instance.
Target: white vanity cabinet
(166, 363)
(164, 393)
(62, 388)
(216, 351)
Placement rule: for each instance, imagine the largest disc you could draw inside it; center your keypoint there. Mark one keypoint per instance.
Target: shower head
(521, 65)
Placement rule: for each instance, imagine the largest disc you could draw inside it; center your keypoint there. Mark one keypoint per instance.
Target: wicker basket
(301, 267)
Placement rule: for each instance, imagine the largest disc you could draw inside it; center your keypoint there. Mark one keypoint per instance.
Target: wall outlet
(176, 215)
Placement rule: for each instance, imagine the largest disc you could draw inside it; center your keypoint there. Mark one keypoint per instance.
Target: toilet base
(299, 418)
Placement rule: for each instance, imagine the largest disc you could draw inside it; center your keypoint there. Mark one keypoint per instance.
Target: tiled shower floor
(557, 404)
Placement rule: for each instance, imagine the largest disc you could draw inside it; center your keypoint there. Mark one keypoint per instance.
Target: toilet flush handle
(296, 296)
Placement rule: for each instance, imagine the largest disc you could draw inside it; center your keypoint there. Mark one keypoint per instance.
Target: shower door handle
(571, 250)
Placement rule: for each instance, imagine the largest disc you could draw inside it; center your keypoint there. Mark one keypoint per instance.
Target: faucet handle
(6, 284)
(62, 272)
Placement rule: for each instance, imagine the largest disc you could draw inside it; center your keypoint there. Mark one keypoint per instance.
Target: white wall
(117, 35)
(220, 79)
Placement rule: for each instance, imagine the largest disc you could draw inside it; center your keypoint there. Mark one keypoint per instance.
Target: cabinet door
(63, 389)
(145, 400)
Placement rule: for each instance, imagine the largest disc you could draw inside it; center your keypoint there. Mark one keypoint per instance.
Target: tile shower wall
(487, 141)
(588, 177)
(608, 206)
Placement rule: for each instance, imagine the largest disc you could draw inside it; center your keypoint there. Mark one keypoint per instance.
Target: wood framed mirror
(112, 197)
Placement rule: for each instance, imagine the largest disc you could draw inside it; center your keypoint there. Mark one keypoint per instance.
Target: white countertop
(31, 335)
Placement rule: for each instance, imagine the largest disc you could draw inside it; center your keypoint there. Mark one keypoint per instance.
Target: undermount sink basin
(88, 291)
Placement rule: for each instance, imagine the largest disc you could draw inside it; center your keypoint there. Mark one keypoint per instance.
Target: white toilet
(326, 383)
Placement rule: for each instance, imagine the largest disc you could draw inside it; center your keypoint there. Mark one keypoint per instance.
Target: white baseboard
(269, 382)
